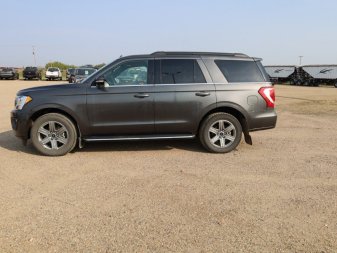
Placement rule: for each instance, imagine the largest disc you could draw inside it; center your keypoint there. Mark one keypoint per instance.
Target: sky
(91, 32)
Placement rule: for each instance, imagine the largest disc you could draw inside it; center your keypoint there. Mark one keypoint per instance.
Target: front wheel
(54, 134)
(220, 133)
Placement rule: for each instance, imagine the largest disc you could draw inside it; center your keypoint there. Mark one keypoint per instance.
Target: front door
(125, 105)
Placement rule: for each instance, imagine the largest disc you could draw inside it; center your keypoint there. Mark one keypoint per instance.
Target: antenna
(34, 56)
(301, 56)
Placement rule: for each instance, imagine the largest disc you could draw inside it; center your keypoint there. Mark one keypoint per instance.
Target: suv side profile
(216, 97)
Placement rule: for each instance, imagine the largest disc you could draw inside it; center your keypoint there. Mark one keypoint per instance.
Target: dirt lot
(279, 195)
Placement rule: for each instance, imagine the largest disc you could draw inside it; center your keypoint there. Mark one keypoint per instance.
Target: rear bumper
(30, 76)
(20, 124)
(263, 121)
(52, 76)
(7, 76)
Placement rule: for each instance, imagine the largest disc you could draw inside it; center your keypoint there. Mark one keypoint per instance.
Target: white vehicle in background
(53, 73)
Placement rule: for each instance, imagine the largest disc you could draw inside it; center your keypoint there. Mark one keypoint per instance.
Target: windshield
(71, 71)
(52, 69)
(7, 69)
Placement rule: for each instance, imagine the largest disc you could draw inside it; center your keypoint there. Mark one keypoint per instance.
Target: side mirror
(100, 82)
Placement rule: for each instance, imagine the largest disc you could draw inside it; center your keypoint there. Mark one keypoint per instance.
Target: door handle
(202, 94)
(141, 95)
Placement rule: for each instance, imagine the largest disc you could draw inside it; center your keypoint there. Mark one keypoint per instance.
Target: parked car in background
(69, 72)
(31, 73)
(9, 73)
(217, 97)
(53, 73)
(80, 74)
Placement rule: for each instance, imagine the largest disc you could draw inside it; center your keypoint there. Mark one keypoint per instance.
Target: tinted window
(240, 71)
(181, 71)
(84, 72)
(128, 73)
(263, 70)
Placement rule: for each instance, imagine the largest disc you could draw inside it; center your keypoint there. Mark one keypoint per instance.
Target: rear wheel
(54, 134)
(220, 133)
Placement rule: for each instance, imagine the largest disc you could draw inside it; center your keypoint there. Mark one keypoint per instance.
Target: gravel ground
(279, 195)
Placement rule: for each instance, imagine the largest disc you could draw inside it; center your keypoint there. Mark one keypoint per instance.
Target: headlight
(20, 101)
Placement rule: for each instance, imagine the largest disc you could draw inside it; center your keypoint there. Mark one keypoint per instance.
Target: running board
(138, 137)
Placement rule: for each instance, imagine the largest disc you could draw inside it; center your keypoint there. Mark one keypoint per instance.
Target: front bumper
(20, 124)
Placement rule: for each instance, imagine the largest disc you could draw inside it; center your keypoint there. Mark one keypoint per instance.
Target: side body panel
(178, 107)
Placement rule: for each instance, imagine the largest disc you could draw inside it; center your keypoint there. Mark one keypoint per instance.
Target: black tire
(235, 133)
(335, 85)
(60, 148)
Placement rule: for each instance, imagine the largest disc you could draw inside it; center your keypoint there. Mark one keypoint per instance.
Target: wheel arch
(42, 111)
(237, 112)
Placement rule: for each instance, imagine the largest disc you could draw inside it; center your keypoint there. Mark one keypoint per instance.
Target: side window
(181, 71)
(240, 71)
(128, 73)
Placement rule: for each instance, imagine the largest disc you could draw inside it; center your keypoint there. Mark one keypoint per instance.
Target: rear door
(184, 92)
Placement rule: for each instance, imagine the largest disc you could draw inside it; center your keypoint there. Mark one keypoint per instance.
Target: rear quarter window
(240, 71)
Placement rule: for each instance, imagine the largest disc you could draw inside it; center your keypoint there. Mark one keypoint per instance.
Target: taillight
(268, 94)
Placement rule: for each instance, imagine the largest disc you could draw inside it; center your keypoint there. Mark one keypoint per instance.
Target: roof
(279, 66)
(177, 53)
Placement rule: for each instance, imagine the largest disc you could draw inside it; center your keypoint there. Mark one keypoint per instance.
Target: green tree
(98, 66)
(59, 65)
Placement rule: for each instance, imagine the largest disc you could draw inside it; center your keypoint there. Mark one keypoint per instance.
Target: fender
(50, 106)
(230, 105)
(236, 107)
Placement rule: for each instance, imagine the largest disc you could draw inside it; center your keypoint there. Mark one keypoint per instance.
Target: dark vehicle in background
(9, 73)
(69, 73)
(31, 73)
(217, 97)
(80, 73)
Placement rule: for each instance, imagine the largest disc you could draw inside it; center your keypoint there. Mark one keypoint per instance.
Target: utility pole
(301, 56)
(34, 55)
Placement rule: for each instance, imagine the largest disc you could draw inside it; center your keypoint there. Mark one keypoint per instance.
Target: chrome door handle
(202, 94)
(141, 95)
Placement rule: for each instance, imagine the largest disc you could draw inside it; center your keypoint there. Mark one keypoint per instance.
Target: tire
(224, 141)
(58, 141)
(336, 85)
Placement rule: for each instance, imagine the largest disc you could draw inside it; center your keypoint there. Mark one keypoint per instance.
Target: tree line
(64, 66)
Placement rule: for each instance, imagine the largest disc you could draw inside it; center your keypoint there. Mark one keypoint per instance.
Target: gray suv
(216, 97)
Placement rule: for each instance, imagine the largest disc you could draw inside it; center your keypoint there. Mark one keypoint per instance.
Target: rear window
(31, 68)
(181, 71)
(240, 71)
(53, 69)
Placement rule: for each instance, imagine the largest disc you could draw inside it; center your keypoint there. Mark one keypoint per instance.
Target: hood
(59, 89)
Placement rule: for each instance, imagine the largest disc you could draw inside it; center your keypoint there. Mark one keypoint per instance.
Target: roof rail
(164, 53)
